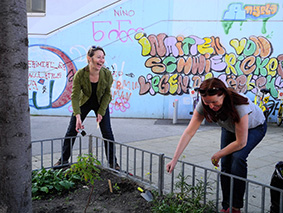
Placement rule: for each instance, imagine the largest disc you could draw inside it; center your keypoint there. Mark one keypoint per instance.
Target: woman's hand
(170, 166)
(215, 159)
(185, 139)
(99, 118)
(241, 129)
(79, 123)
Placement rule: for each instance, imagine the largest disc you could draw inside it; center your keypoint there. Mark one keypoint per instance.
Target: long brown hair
(214, 86)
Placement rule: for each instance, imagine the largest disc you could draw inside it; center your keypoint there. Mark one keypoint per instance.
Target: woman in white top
(243, 127)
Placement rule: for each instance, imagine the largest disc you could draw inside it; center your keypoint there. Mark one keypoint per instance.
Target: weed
(116, 187)
(189, 199)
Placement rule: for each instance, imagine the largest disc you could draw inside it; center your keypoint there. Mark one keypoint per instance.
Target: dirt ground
(124, 198)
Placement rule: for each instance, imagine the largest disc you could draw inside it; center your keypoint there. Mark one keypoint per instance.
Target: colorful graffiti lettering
(238, 12)
(122, 35)
(261, 11)
(174, 59)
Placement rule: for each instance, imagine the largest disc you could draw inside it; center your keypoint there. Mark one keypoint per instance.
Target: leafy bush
(49, 182)
(85, 169)
(189, 199)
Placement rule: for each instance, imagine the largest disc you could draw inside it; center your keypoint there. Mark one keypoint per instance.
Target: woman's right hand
(170, 166)
(185, 139)
(79, 123)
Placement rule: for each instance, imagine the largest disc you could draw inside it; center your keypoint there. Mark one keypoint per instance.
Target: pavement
(162, 136)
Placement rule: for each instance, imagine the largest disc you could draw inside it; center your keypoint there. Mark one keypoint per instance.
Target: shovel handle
(140, 189)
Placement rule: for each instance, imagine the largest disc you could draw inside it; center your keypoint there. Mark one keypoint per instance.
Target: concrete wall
(157, 50)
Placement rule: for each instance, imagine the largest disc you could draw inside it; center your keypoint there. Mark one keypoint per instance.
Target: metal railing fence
(148, 168)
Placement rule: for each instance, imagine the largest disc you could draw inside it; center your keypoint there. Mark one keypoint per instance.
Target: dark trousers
(236, 164)
(105, 128)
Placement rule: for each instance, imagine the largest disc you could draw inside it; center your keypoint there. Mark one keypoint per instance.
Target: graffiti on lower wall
(122, 89)
(44, 71)
(51, 73)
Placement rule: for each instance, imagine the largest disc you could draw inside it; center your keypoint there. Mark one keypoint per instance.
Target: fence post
(161, 174)
(90, 145)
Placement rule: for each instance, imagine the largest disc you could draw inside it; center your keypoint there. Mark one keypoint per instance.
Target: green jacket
(81, 91)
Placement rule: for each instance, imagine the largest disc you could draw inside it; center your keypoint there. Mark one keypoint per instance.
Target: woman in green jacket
(91, 91)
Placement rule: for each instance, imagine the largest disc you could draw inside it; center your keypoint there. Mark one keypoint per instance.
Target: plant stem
(89, 198)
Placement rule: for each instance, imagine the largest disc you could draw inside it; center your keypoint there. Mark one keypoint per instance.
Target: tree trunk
(15, 144)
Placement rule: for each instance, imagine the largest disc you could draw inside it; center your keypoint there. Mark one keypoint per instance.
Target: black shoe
(117, 167)
(59, 164)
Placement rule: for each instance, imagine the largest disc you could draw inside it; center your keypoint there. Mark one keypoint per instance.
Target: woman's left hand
(241, 129)
(215, 160)
(99, 118)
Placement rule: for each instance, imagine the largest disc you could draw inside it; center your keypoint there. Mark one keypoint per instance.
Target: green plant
(49, 182)
(85, 169)
(116, 187)
(189, 199)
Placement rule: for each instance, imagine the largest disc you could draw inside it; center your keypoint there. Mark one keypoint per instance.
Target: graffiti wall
(159, 53)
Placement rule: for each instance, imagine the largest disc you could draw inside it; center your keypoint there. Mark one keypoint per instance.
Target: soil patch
(124, 198)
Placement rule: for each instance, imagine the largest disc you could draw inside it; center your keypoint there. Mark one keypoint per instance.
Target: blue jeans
(236, 164)
(105, 128)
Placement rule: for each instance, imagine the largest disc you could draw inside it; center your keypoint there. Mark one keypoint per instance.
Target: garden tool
(146, 194)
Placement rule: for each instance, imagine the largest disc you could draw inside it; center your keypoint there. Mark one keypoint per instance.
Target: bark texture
(15, 144)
